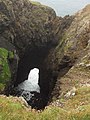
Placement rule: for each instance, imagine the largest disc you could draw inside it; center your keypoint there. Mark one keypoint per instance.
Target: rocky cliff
(73, 54)
(31, 35)
(26, 28)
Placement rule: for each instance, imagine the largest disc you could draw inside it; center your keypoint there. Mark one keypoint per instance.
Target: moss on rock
(5, 73)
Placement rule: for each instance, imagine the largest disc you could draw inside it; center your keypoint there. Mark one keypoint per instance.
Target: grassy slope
(75, 108)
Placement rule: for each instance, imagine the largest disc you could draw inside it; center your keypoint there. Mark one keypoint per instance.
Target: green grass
(75, 108)
(35, 3)
(5, 71)
(81, 98)
(11, 109)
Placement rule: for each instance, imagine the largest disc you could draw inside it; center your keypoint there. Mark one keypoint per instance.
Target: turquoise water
(65, 7)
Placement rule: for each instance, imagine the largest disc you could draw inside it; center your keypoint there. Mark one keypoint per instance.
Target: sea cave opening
(34, 58)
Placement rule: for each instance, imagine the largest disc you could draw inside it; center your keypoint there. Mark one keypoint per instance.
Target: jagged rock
(71, 50)
(25, 25)
(70, 93)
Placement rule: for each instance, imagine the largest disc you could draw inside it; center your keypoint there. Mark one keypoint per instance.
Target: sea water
(30, 85)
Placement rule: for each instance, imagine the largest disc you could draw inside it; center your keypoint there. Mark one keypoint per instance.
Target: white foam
(32, 83)
(33, 76)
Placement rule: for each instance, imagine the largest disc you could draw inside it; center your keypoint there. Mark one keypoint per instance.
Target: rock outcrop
(25, 28)
(28, 30)
(72, 52)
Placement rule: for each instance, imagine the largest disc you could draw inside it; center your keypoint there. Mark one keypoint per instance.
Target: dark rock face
(28, 30)
(26, 26)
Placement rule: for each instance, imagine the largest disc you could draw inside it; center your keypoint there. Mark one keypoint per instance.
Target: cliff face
(26, 28)
(31, 35)
(73, 54)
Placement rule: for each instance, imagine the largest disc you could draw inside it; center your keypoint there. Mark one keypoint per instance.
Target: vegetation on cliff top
(75, 108)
